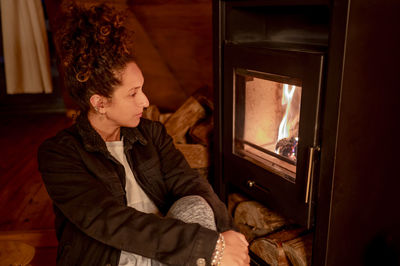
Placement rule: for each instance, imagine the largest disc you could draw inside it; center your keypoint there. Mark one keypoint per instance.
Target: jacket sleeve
(183, 180)
(89, 205)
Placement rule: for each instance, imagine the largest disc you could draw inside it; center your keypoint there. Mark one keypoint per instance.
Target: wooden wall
(173, 45)
(181, 31)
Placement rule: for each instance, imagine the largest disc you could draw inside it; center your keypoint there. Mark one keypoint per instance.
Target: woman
(120, 188)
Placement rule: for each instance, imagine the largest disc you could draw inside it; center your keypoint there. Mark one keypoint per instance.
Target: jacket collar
(92, 141)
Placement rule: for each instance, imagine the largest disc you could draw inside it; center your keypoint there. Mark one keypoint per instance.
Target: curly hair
(93, 46)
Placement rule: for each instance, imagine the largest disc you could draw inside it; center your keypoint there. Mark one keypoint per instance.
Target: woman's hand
(236, 251)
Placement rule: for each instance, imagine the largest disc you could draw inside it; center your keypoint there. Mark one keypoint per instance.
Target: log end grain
(258, 216)
(270, 251)
(299, 250)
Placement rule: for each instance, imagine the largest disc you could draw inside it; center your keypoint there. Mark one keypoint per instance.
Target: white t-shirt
(136, 198)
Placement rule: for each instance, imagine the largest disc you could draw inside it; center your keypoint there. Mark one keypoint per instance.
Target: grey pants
(191, 209)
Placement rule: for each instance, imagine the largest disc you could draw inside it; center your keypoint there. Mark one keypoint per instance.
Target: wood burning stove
(270, 122)
(272, 65)
(338, 58)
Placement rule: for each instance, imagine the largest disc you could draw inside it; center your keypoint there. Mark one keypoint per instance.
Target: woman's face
(128, 100)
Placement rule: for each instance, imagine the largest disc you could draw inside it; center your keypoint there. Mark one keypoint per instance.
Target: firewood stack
(273, 238)
(190, 127)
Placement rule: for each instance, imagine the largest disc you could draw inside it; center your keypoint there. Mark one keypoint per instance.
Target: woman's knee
(193, 209)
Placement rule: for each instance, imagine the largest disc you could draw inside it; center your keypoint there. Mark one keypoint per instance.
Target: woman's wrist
(218, 252)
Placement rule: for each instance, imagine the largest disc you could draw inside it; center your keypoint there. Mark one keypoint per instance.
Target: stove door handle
(313, 150)
(253, 184)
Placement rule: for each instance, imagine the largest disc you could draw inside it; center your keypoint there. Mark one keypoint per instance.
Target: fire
(286, 145)
(287, 97)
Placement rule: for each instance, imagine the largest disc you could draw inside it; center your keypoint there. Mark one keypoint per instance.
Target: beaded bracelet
(219, 251)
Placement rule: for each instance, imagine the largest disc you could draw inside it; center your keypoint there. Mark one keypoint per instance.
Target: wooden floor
(26, 211)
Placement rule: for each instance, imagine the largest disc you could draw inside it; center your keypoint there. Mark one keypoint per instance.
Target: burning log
(287, 147)
(270, 248)
(256, 220)
(299, 250)
(184, 118)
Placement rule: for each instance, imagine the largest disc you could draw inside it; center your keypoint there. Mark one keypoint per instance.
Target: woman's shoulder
(150, 127)
(147, 123)
(64, 138)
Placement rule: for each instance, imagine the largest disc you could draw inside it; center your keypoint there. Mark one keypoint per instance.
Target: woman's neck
(103, 127)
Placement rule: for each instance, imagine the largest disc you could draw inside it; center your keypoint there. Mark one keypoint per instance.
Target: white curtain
(26, 52)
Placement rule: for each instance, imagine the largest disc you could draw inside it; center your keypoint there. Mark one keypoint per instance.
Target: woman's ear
(98, 103)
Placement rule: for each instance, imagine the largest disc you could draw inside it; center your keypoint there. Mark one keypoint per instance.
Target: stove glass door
(266, 120)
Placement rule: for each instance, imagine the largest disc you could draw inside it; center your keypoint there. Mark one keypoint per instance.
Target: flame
(287, 97)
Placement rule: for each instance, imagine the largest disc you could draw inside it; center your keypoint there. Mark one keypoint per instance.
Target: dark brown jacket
(93, 222)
